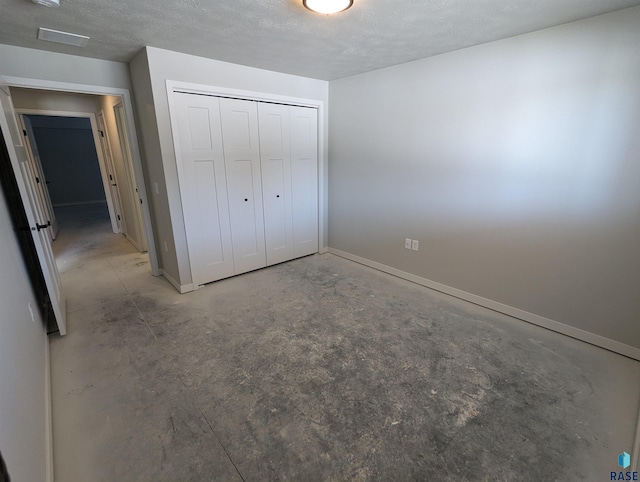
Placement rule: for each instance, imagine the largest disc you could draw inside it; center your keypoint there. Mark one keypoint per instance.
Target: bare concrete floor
(316, 369)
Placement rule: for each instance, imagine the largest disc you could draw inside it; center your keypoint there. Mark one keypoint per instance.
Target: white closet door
(304, 179)
(275, 161)
(242, 161)
(203, 187)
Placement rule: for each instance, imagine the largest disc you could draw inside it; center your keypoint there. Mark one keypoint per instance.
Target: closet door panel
(244, 185)
(203, 187)
(277, 227)
(209, 224)
(242, 210)
(304, 179)
(275, 160)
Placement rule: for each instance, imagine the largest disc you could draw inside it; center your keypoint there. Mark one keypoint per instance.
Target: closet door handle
(277, 195)
(245, 199)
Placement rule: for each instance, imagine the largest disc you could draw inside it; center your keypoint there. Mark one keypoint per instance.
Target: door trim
(216, 91)
(125, 94)
(125, 146)
(105, 145)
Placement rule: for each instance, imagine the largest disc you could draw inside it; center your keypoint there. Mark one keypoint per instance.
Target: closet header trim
(204, 94)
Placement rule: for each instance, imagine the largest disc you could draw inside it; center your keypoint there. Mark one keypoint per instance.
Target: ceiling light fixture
(47, 3)
(327, 7)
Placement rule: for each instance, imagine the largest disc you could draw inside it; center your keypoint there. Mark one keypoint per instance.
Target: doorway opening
(75, 149)
(64, 154)
(81, 149)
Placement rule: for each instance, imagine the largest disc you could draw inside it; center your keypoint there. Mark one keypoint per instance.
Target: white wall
(51, 66)
(163, 65)
(514, 163)
(22, 364)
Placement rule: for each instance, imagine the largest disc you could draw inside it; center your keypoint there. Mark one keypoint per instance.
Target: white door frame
(192, 88)
(114, 185)
(98, 147)
(133, 140)
(125, 146)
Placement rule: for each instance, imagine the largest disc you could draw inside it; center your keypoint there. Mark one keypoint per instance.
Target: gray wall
(22, 364)
(38, 64)
(514, 163)
(150, 147)
(69, 160)
(52, 100)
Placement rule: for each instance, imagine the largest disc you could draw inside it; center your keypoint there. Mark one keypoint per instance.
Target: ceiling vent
(62, 37)
(47, 3)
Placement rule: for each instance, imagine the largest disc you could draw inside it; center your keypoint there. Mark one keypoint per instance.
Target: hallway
(316, 369)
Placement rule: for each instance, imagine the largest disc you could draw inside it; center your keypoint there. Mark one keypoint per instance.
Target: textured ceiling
(282, 35)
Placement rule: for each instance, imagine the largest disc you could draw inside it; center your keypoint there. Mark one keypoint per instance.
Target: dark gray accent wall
(69, 160)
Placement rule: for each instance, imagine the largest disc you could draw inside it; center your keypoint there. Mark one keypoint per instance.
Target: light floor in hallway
(315, 369)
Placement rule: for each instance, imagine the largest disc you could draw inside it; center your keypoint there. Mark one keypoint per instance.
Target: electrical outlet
(415, 244)
(407, 243)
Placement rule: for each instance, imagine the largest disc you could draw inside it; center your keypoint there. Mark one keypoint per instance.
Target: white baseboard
(577, 333)
(48, 417)
(182, 289)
